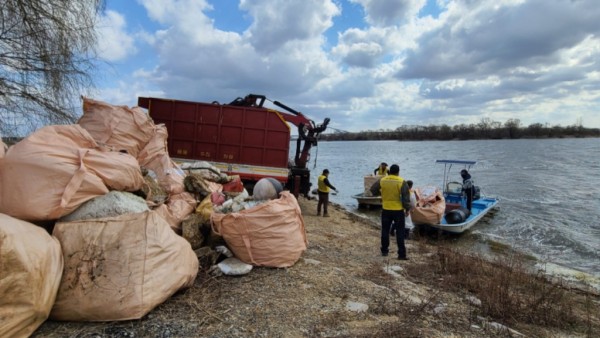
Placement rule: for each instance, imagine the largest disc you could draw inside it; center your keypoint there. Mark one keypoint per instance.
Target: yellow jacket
(395, 194)
(323, 184)
(380, 172)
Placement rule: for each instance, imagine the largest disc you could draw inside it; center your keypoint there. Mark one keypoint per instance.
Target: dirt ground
(341, 287)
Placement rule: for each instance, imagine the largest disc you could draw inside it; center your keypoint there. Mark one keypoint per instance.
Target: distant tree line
(486, 129)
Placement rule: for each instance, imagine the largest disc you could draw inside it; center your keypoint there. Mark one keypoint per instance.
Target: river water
(549, 190)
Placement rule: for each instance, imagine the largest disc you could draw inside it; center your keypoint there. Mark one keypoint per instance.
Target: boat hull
(479, 209)
(364, 201)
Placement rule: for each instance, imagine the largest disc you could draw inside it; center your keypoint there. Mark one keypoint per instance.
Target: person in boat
(467, 187)
(323, 191)
(395, 198)
(382, 170)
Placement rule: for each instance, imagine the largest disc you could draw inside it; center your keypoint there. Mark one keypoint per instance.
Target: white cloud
(533, 60)
(114, 43)
(278, 22)
(390, 13)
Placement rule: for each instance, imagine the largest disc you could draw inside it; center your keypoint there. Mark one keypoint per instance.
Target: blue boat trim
(479, 207)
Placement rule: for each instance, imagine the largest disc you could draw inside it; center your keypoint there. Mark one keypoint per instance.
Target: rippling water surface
(549, 189)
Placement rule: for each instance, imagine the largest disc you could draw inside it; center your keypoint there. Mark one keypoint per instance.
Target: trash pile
(98, 223)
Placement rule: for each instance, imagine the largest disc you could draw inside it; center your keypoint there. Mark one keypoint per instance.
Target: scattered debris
(234, 267)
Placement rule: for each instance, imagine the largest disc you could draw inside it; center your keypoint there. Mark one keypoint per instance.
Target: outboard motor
(457, 215)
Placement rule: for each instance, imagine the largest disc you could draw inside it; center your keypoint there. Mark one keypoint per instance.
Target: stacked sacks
(31, 265)
(132, 130)
(130, 261)
(56, 169)
(120, 268)
(155, 156)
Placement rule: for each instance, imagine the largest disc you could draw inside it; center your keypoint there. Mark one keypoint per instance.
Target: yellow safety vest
(391, 192)
(382, 172)
(321, 184)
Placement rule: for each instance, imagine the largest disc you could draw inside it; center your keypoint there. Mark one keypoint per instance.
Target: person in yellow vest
(395, 198)
(382, 170)
(323, 190)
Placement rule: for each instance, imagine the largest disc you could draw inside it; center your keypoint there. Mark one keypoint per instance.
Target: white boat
(367, 201)
(455, 219)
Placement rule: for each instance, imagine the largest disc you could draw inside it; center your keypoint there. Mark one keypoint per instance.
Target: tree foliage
(484, 130)
(46, 60)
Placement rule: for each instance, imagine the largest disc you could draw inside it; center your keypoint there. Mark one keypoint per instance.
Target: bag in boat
(31, 266)
(120, 268)
(430, 206)
(56, 169)
(371, 185)
(271, 234)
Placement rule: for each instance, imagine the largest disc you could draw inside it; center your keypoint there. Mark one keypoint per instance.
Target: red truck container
(240, 138)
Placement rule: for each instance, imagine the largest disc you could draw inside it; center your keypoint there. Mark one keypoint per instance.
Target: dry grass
(510, 293)
(425, 298)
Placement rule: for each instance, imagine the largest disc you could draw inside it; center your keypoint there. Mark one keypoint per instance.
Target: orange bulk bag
(120, 268)
(271, 234)
(31, 266)
(56, 169)
(117, 126)
(430, 206)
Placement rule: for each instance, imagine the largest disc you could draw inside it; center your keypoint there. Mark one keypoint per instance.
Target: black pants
(469, 194)
(397, 217)
(323, 201)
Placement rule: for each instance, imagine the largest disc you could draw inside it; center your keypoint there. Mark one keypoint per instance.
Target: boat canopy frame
(448, 167)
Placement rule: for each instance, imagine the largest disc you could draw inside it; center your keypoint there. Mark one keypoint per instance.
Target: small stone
(234, 267)
(356, 307)
(474, 300)
(311, 261)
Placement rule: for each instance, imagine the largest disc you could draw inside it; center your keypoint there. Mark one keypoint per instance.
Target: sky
(365, 64)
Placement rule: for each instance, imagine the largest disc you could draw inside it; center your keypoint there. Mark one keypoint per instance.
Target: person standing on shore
(395, 198)
(323, 190)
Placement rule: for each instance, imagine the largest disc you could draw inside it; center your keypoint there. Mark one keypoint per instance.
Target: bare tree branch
(46, 59)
